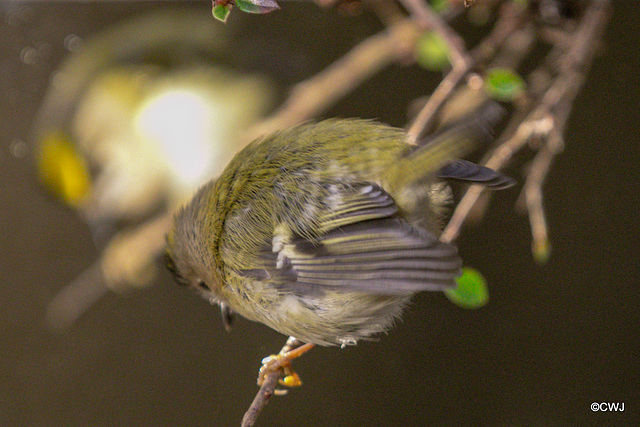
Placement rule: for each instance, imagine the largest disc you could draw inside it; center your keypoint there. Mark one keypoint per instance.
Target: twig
(262, 398)
(574, 65)
(460, 61)
(509, 42)
(532, 192)
(75, 298)
(508, 22)
(500, 156)
(268, 387)
(439, 95)
(127, 260)
(309, 98)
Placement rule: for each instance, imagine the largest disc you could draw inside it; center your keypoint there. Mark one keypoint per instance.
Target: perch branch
(268, 387)
(262, 398)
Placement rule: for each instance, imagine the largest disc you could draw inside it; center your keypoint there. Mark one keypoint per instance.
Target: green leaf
(257, 6)
(471, 291)
(432, 51)
(504, 84)
(221, 12)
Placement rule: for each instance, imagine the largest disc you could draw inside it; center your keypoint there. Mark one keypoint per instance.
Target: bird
(325, 230)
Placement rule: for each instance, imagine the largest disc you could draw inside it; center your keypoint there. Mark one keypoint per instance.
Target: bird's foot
(282, 361)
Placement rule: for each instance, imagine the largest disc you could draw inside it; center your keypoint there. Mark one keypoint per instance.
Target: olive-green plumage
(324, 231)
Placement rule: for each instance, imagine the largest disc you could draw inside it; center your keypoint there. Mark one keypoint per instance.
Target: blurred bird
(132, 125)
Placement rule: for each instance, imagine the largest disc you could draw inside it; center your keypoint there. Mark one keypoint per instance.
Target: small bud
(471, 291)
(541, 250)
(221, 12)
(504, 84)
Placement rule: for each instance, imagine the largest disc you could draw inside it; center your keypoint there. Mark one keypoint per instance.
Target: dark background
(552, 340)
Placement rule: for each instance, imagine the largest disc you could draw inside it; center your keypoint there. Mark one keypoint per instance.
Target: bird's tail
(457, 140)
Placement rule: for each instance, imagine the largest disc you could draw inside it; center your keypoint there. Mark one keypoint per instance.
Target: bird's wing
(363, 244)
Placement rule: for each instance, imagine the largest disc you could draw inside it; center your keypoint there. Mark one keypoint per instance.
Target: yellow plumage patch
(62, 170)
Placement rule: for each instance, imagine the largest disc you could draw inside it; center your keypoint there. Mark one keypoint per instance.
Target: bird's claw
(274, 363)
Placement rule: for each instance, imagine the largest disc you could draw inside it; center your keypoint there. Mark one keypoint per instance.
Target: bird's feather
(364, 245)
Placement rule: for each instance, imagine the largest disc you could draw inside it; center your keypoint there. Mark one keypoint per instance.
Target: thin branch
(262, 398)
(574, 65)
(75, 298)
(387, 11)
(500, 156)
(510, 17)
(128, 259)
(532, 193)
(508, 21)
(437, 98)
(533, 196)
(460, 60)
(268, 387)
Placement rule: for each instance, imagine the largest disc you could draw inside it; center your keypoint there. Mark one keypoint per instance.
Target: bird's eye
(168, 262)
(200, 284)
(171, 266)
